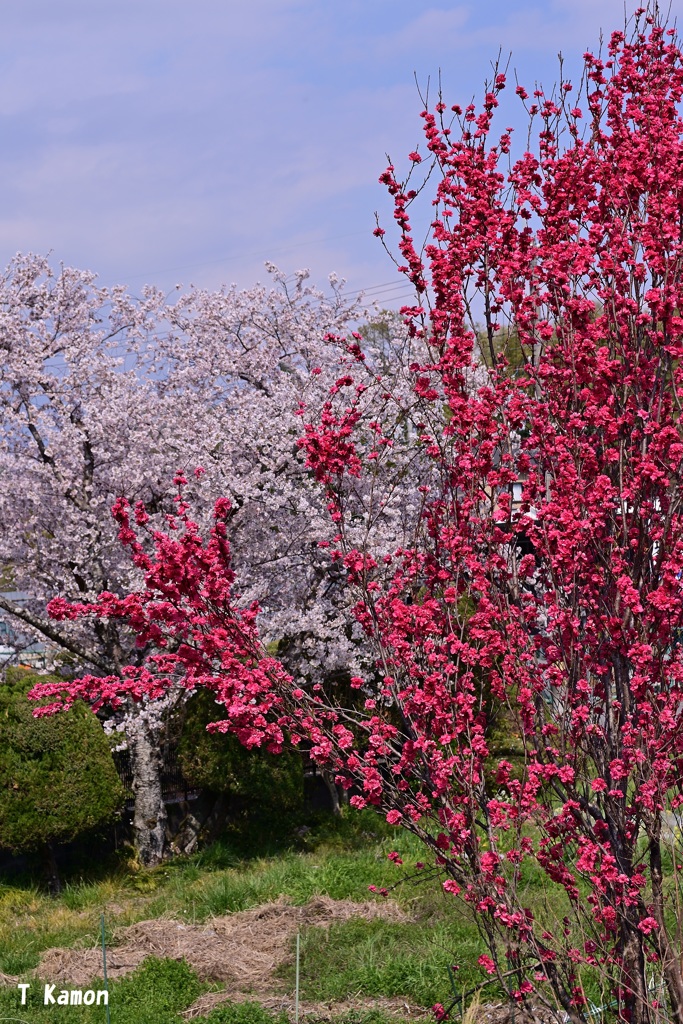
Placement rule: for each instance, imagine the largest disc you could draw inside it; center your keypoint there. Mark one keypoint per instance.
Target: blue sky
(176, 142)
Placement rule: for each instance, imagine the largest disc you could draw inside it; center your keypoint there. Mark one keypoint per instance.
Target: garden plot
(242, 950)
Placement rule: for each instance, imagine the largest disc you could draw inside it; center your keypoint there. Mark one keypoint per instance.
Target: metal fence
(174, 785)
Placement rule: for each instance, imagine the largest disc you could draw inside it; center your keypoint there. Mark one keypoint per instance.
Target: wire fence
(174, 786)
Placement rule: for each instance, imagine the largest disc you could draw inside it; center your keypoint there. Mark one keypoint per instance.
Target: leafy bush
(218, 762)
(57, 775)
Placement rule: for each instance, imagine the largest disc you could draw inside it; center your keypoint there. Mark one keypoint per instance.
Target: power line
(386, 291)
(377, 287)
(249, 255)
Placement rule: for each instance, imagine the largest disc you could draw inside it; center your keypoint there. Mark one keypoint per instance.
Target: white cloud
(445, 27)
(151, 134)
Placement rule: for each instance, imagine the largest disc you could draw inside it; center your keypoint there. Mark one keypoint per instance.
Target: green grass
(358, 957)
(154, 994)
(384, 958)
(351, 958)
(340, 860)
(341, 875)
(243, 1013)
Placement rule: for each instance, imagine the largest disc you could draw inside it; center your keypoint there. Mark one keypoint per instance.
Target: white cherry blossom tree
(104, 394)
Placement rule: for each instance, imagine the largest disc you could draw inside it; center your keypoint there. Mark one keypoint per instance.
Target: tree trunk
(634, 996)
(328, 778)
(54, 882)
(149, 817)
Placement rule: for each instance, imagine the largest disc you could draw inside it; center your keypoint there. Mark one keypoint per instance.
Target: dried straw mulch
(242, 950)
(311, 1012)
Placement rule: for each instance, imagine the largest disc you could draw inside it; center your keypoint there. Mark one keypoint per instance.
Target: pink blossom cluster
(187, 614)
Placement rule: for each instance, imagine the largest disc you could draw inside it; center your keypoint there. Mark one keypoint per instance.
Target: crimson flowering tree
(566, 605)
(190, 619)
(543, 572)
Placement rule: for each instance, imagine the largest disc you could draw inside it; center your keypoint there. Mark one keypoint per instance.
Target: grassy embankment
(351, 958)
